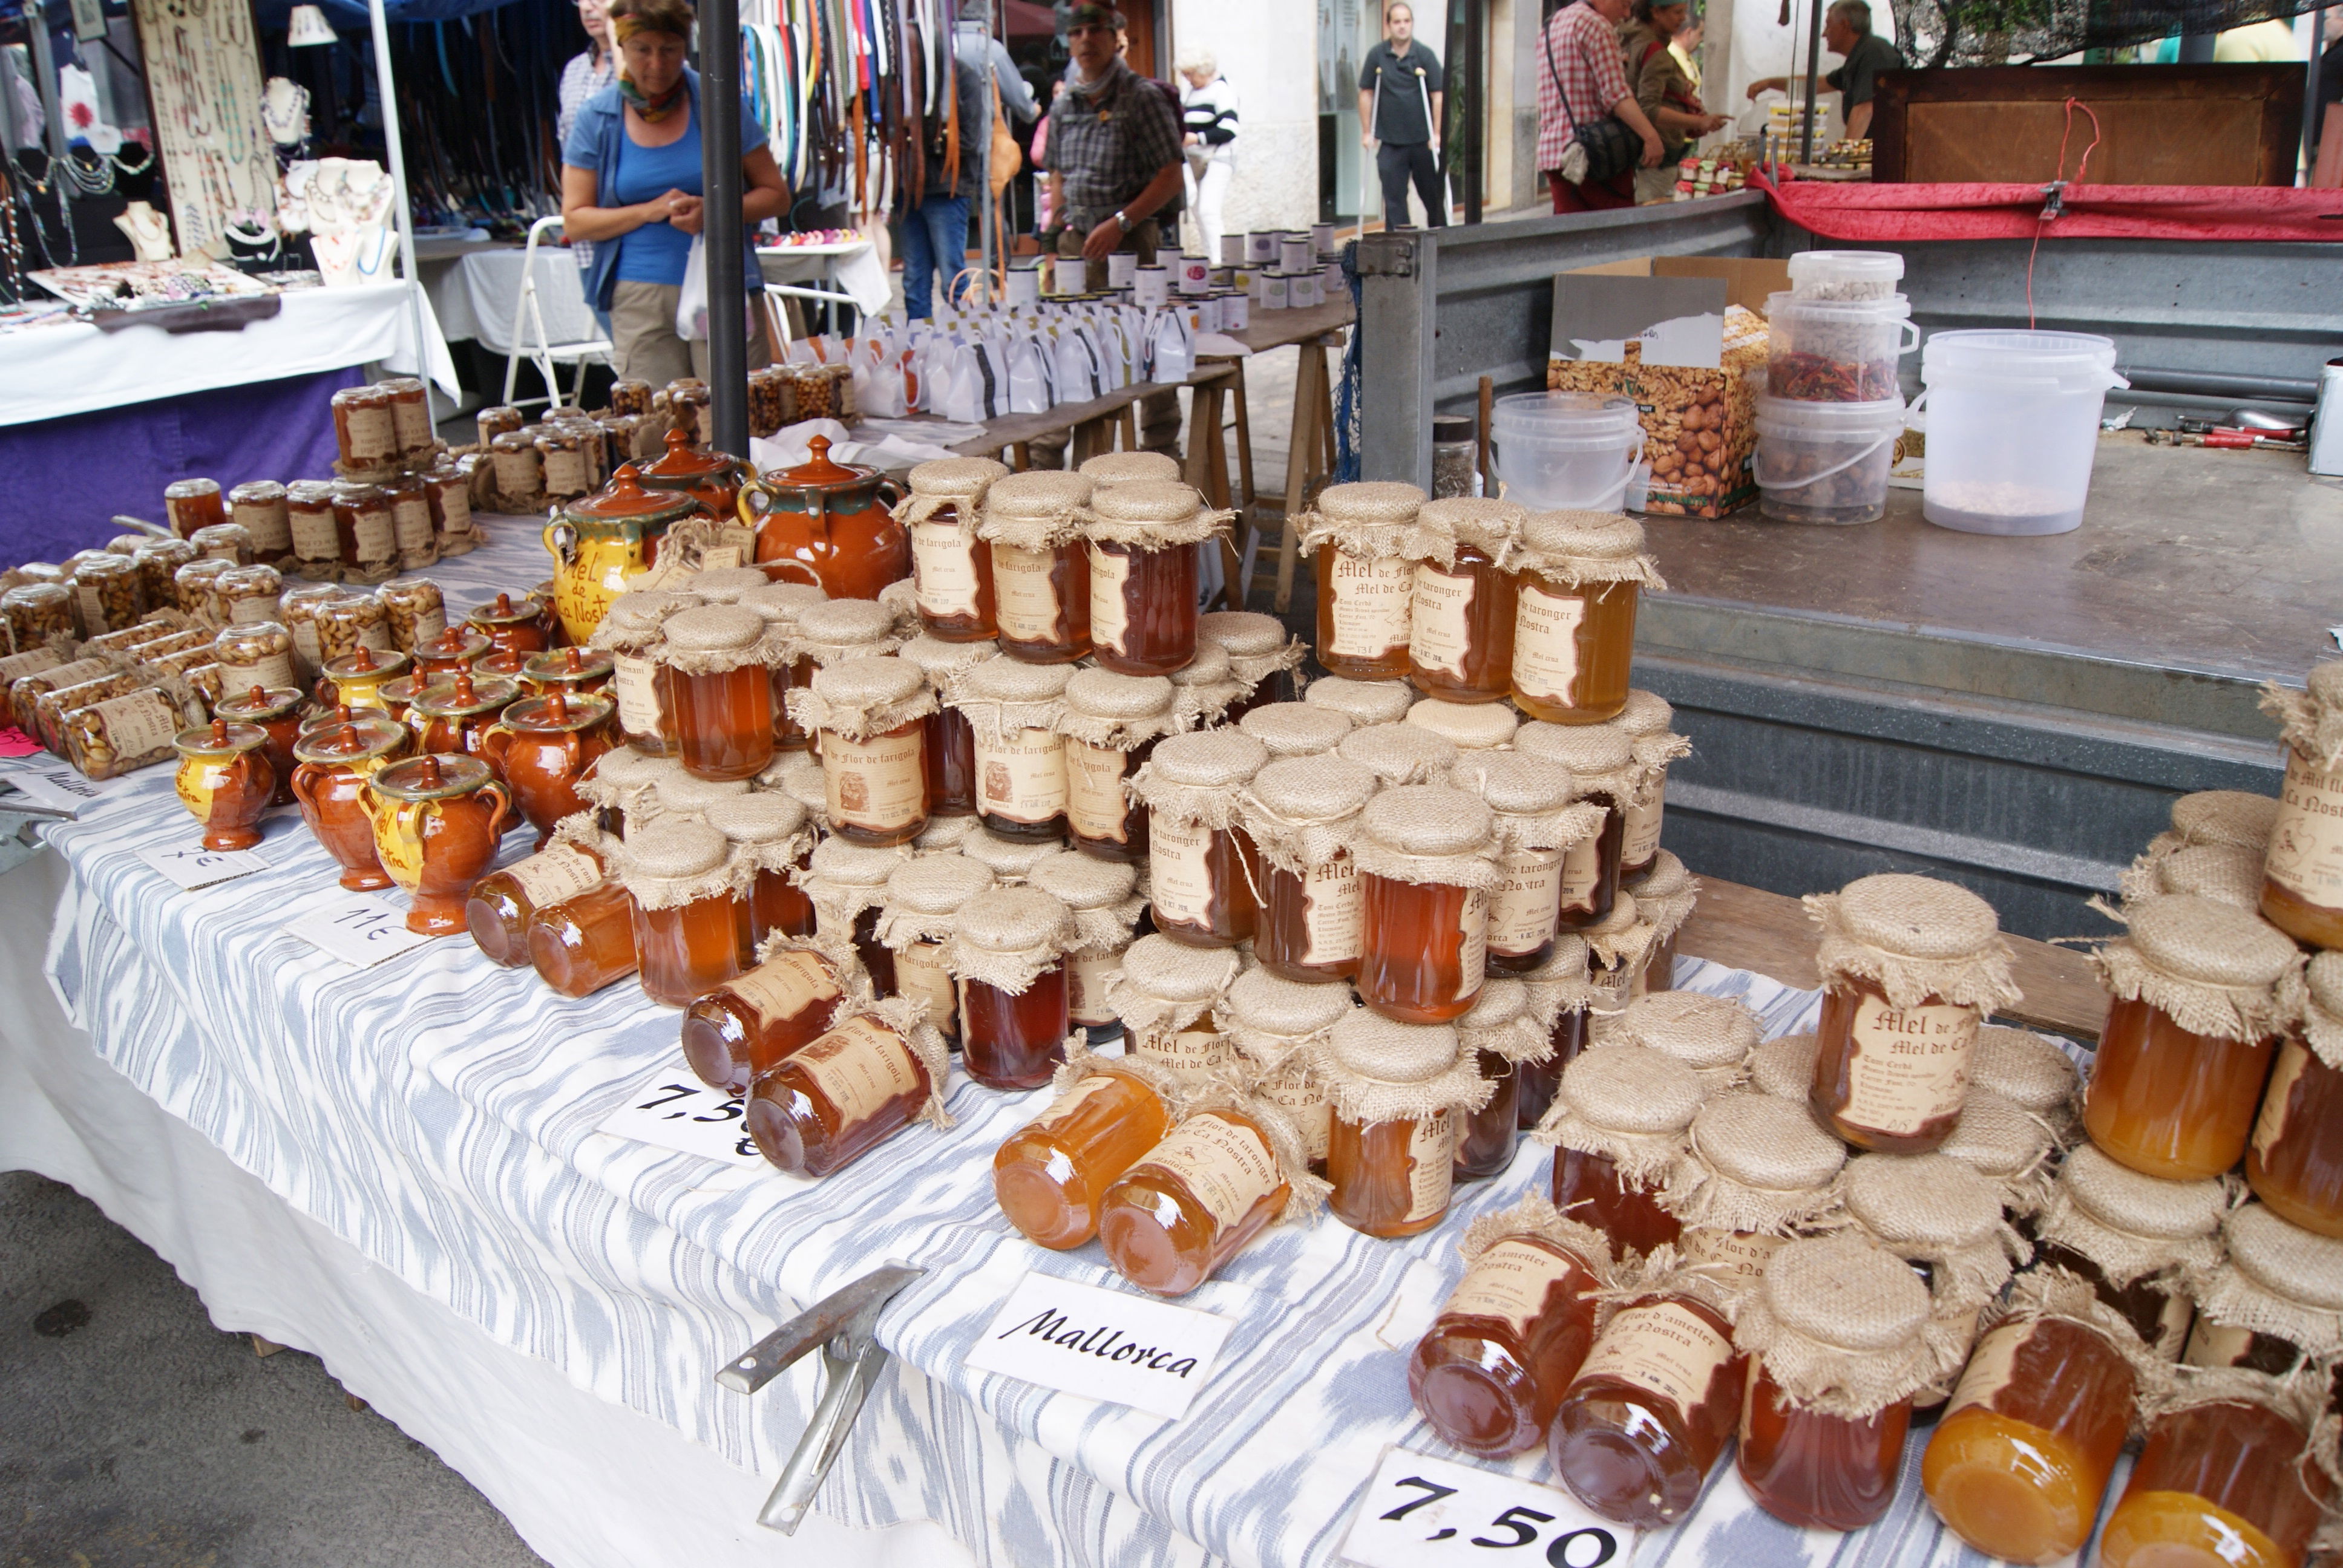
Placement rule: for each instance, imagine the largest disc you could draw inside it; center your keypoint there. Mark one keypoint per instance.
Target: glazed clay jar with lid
(1618, 1128)
(2294, 1161)
(436, 824)
(848, 884)
(2228, 1474)
(950, 743)
(1492, 1369)
(1031, 534)
(225, 780)
(1107, 904)
(2200, 991)
(2130, 1235)
(451, 651)
(834, 1099)
(685, 882)
(1169, 996)
(869, 714)
(1426, 862)
(2225, 873)
(1563, 997)
(767, 831)
(1756, 1169)
(329, 784)
(925, 896)
(1203, 872)
(2275, 1299)
(1007, 955)
(1368, 540)
(952, 568)
(1230, 1167)
(1398, 1091)
(573, 671)
(1363, 702)
(1579, 576)
(501, 905)
(1713, 1035)
(1462, 608)
(1277, 1027)
(1050, 1177)
(1013, 711)
(744, 1028)
(1144, 539)
(1910, 967)
(1539, 819)
(1260, 651)
(1295, 729)
(277, 714)
(1110, 724)
(1647, 720)
(2302, 886)
(632, 631)
(1301, 814)
(1499, 1035)
(455, 716)
(1602, 762)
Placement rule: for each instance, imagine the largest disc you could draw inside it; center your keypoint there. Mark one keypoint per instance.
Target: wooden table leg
(1303, 447)
(1021, 455)
(1246, 496)
(1127, 422)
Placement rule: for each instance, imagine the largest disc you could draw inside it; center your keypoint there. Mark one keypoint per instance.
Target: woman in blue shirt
(630, 184)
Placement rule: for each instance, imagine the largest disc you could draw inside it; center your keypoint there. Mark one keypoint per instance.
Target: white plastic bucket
(1825, 462)
(1846, 274)
(2013, 423)
(1559, 451)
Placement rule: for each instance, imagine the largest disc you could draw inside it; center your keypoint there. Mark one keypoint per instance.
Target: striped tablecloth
(440, 1114)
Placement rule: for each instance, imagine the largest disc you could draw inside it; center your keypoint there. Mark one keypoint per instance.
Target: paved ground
(133, 1434)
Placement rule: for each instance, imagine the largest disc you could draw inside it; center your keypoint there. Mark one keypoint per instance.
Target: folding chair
(530, 318)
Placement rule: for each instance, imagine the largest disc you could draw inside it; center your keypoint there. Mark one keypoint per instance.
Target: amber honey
(1014, 1041)
(1461, 629)
(1391, 1178)
(877, 789)
(777, 907)
(1309, 928)
(1170, 1220)
(878, 958)
(500, 905)
(831, 1100)
(2170, 1102)
(1493, 1366)
(2221, 1485)
(582, 944)
(1891, 1079)
(1043, 601)
(1485, 1138)
(1422, 947)
(951, 763)
(1200, 882)
(1103, 817)
(685, 952)
(1052, 1175)
(2295, 1162)
(1591, 872)
(1816, 1471)
(1649, 1411)
(1540, 1081)
(1589, 1188)
(1571, 650)
(743, 1028)
(723, 721)
(1142, 607)
(951, 575)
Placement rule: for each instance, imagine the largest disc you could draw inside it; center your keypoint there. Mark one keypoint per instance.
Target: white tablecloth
(476, 295)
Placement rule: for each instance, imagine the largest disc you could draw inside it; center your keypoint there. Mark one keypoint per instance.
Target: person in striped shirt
(1207, 110)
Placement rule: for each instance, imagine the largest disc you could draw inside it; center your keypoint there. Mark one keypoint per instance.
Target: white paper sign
(1115, 1346)
(1422, 1512)
(53, 782)
(673, 1109)
(194, 866)
(357, 930)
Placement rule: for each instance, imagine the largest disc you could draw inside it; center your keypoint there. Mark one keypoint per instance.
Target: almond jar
(1619, 1126)
(868, 715)
(2302, 886)
(1581, 574)
(1399, 1090)
(1203, 873)
(1460, 616)
(1107, 905)
(1167, 995)
(1302, 814)
(1144, 539)
(1110, 725)
(1013, 711)
(1367, 541)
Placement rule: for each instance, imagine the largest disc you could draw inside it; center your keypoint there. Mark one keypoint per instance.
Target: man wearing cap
(1114, 161)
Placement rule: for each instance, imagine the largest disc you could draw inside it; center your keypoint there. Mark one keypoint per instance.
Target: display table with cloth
(399, 1169)
(474, 296)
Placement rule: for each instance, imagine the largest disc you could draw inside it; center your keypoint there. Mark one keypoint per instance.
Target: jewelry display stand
(203, 79)
(150, 231)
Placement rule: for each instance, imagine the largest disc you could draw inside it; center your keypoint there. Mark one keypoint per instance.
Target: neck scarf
(652, 109)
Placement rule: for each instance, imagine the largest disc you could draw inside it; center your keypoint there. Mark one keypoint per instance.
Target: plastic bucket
(2013, 423)
(1846, 274)
(1836, 350)
(1825, 462)
(1562, 452)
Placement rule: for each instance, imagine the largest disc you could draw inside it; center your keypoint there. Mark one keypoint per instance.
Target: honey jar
(1295, 729)
(1107, 905)
(1301, 814)
(1757, 1168)
(410, 522)
(1648, 721)
(1110, 724)
(2224, 1473)
(1498, 1035)
(1579, 577)
(1426, 865)
(1203, 873)
(869, 716)
(2274, 1302)
(834, 1099)
(951, 567)
(366, 428)
(631, 632)
(1203, 690)
(333, 762)
(621, 786)
(366, 539)
(684, 883)
(1538, 822)
(1363, 702)
(309, 517)
(1491, 1371)
(716, 660)
(848, 885)
(448, 489)
(437, 823)
(225, 780)
(192, 504)
(1050, 1177)
(1910, 966)
(1007, 957)
(1462, 608)
(1263, 654)
(925, 896)
(2130, 1236)
(949, 743)
(1231, 1168)
(1011, 860)
(1168, 996)
(1562, 995)
(501, 906)
(779, 603)
(2294, 1161)
(768, 830)
(1013, 709)
(1666, 895)
(746, 1027)
(1602, 762)
(837, 629)
(277, 715)
(1619, 1126)
(1144, 542)
(1945, 1220)
(1398, 1091)
(1399, 753)
(2302, 886)
(2200, 993)
(1711, 1035)
(1368, 540)
(1276, 1028)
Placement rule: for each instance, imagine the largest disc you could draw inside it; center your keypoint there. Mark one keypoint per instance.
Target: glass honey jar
(950, 744)
(1275, 1029)
(1110, 724)
(744, 1028)
(316, 542)
(410, 522)
(1169, 998)
(833, 1100)
(632, 632)
(1470, 726)
(1013, 859)
(1538, 822)
(2133, 1238)
(1426, 864)
(1301, 813)
(715, 658)
(1666, 895)
(2224, 1475)
(2302, 885)
(1295, 729)
(1399, 753)
(848, 884)
(1910, 966)
(1602, 763)
(1007, 955)
(2274, 1302)
(1578, 580)
(1756, 1169)
(1204, 690)
(2199, 994)
(500, 905)
(924, 898)
(1144, 539)
(1462, 608)
(620, 784)
(366, 537)
(1107, 906)
(1263, 655)
(1366, 541)
(1649, 722)
(448, 490)
(684, 883)
(2294, 1161)
(366, 429)
(951, 567)
(1491, 1371)
(1399, 1090)
(1013, 709)
(1203, 872)
(779, 603)
(192, 504)
(1231, 1168)
(1499, 1035)
(1713, 1035)
(1363, 702)
(1561, 994)
(1619, 1126)
(767, 831)
(2008, 1147)
(869, 715)
(1050, 1177)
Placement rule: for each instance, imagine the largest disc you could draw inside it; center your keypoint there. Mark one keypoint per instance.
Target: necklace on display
(285, 110)
(144, 161)
(90, 179)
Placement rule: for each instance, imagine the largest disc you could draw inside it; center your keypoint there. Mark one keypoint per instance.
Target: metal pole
(1476, 113)
(963, 36)
(386, 88)
(2311, 104)
(1813, 72)
(719, 177)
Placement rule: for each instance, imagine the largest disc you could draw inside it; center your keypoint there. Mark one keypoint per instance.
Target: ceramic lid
(681, 466)
(379, 663)
(438, 777)
(220, 739)
(257, 703)
(624, 500)
(561, 665)
(464, 694)
(558, 712)
(817, 472)
(457, 642)
(508, 609)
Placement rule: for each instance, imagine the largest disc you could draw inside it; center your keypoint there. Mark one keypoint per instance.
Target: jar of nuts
(157, 559)
(520, 475)
(628, 395)
(562, 453)
(415, 610)
(195, 586)
(37, 613)
(349, 623)
(297, 608)
(258, 507)
(500, 420)
(248, 593)
(255, 653)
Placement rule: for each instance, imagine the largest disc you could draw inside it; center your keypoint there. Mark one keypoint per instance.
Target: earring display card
(203, 75)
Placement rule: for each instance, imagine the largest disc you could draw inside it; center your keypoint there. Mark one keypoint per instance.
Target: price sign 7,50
(1420, 1511)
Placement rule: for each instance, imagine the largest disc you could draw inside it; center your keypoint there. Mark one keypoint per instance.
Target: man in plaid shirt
(1581, 78)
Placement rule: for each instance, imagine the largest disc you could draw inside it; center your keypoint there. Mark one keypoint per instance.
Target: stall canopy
(2022, 32)
(1898, 213)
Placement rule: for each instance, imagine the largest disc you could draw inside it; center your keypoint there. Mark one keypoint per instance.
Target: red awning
(1886, 214)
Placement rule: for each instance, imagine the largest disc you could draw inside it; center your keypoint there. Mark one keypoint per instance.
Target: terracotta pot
(437, 820)
(711, 479)
(358, 678)
(542, 747)
(573, 671)
(277, 712)
(453, 717)
(829, 524)
(226, 781)
(601, 544)
(456, 649)
(514, 626)
(335, 759)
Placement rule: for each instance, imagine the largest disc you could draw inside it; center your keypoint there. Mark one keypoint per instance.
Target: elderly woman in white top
(1208, 107)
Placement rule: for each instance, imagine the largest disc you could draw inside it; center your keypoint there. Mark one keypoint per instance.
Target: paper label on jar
(2212, 1345)
(784, 985)
(1440, 620)
(920, 977)
(516, 472)
(1527, 901)
(1993, 1366)
(1370, 605)
(1641, 841)
(272, 534)
(1431, 1148)
(636, 682)
(370, 535)
(1582, 875)
(454, 509)
(1096, 800)
(2270, 1125)
(32, 661)
(2305, 846)
(1910, 1065)
(374, 433)
(1473, 954)
(1734, 1258)
(1024, 594)
(878, 784)
(1086, 973)
(410, 523)
(1021, 777)
(1186, 1053)
(270, 669)
(1225, 1163)
(1063, 1109)
(305, 642)
(859, 1067)
(566, 473)
(943, 568)
(92, 608)
(259, 607)
(314, 539)
(1334, 912)
(555, 873)
(1665, 1349)
(1110, 612)
(138, 724)
(1509, 1281)
(1179, 883)
(1303, 1100)
(430, 622)
(1545, 642)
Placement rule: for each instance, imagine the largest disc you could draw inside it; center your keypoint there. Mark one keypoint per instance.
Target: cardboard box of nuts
(1683, 336)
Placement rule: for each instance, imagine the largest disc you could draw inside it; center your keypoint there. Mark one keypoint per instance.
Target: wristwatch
(1122, 221)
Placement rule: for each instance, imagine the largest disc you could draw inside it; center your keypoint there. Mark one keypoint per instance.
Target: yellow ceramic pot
(601, 543)
(437, 820)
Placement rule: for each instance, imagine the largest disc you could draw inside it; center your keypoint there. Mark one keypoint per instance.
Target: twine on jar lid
(779, 603)
(958, 482)
(1428, 834)
(1163, 986)
(1118, 712)
(1713, 1035)
(2131, 1227)
(713, 639)
(843, 628)
(842, 880)
(939, 660)
(1844, 1327)
(1258, 645)
(632, 623)
(1037, 510)
(767, 829)
(1573, 549)
(1399, 753)
(1296, 728)
(1105, 896)
(725, 584)
(2277, 1279)
(1562, 984)
(1375, 520)
(1007, 938)
(1667, 894)
(2311, 723)
(1199, 776)
(1153, 514)
(1376, 1069)
(1754, 1164)
(1630, 1104)
(1126, 468)
(1501, 1021)
(860, 697)
(924, 895)
(1203, 688)
(1363, 702)
(1011, 860)
(1933, 1208)
(674, 861)
(2211, 968)
(2030, 1071)
(1472, 726)
(1599, 757)
(2225, 873)
(1002, 695)
(1484, 523)
(1302, 812)
(1269, 1019)
(1914, 938)
(1535, 1215)
(2007, 1145)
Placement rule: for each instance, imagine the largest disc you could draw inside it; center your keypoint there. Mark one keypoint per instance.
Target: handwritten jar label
(2305, 846)
(1910, 1066)
(1665, 1349)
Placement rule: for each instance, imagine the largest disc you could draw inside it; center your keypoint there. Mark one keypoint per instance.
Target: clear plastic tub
(2012, 424)
(1825, 462)
(1557, 451)
(1846, 274)
(1836, 350)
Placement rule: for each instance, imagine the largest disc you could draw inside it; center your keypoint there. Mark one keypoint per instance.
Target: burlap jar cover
(1471, 725)
(1027, 519)
(1667, 894)
(958, 482)
(680, 794)
(1844, 1328)
(842, 628)
(2225, 873)
(782, 603)
(1630, 1104)
(2211, 969)
(1147, 516)
(2322, 1009)
(944, 833)
(1296, 728)
(1483, 523)
(1535, 1217)
(1599, 757)
(625, 779)
(767, 829)
(1104, 717)
(1163, 993)
(1561, 984)
(1399, 753)
(1756, 1167)
(1301, 813)
(903, 1018)
(1620, 945)
(1571, 550)
(1363, 702)
(1711, 1035)
(1126, 468)
(925, 896)
(872, 778)
(2232, 817)
(1007, 938)
(1107, 902)
(1276, 1026)
(2136, 1229)
(1013, 709)
(1932, 1209)
(1646, 720)
(1365, 602)
(1503, 1022)
(1191, 787)
(1784, 1067)
(2275, 1278)
(1379, 1070)
(2030, 1072)
(1204, 688)
(725, 584)
(2006, 1144)
(1011, 860)
(901, 600)
(671, 862)
(1537, 820)
(941, 662)
(1258, 645)
(798, 775)
(712, 639)
(843, 880)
